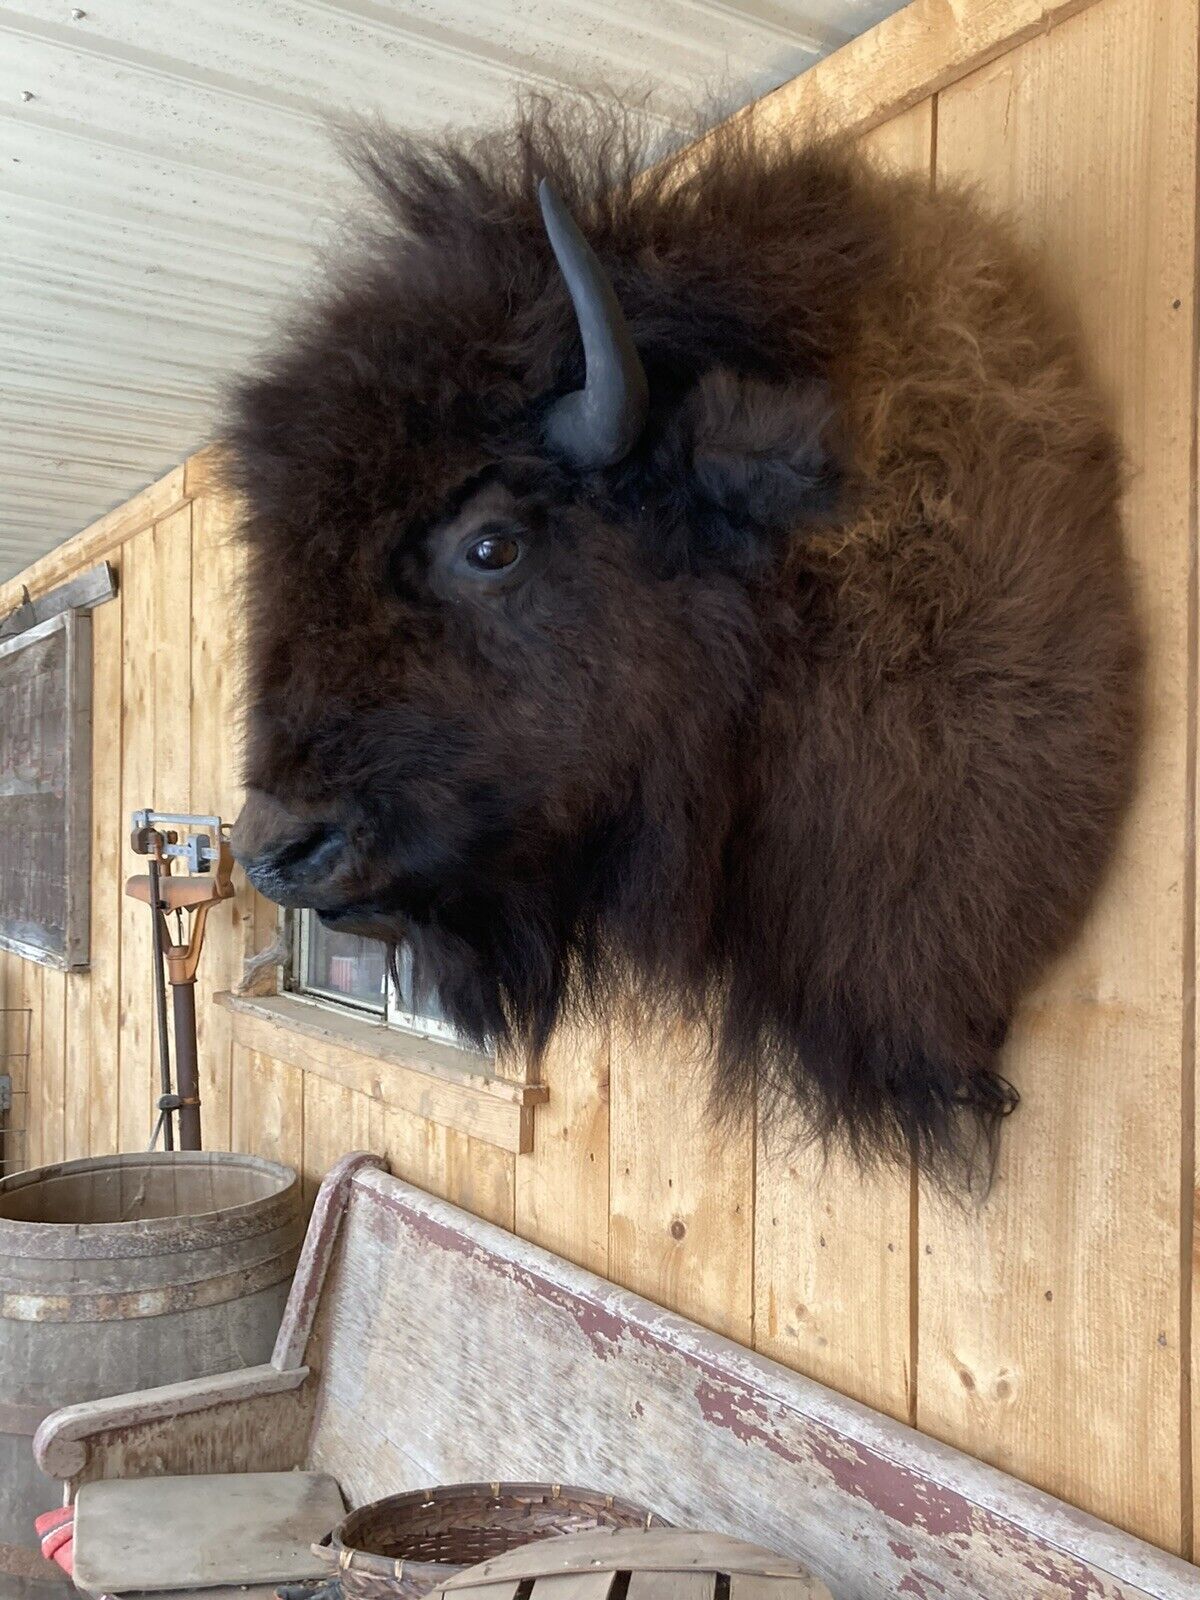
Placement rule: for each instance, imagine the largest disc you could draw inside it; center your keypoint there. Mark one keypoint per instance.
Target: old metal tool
(208, 858)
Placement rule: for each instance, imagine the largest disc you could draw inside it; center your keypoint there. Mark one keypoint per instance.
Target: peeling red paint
(898, 1492)
(744, 1417)
(909, 1585)
(1074, 1582)
(893, 1490)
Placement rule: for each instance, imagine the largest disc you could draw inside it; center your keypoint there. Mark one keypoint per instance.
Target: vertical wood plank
(681, 1226)
(1051, 1320)
(268, 1108)
(109, 845)
(52, 1065)
(562, 1185)
(479, 1177)
(137, 1075)
(411, 1148)
(77, 1065)
(217, 644)
(834, 1246)
(833, 1254)
(476, 1176)
(906, 142)
(336, 1121)
(172, 659)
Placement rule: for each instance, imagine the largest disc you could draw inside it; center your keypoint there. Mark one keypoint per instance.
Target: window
(345, 970)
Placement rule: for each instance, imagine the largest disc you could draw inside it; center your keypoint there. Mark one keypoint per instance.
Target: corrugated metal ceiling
(166, 173)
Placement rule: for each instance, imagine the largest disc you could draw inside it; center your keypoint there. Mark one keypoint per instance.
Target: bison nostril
(295, 873)
(312, 857)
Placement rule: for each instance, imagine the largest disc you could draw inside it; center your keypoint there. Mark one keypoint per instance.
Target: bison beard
(802, 706)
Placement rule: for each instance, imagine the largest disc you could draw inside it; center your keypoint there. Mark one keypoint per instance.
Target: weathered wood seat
(421, 1345)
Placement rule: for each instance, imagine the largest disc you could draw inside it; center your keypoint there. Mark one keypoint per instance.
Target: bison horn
(599, 424)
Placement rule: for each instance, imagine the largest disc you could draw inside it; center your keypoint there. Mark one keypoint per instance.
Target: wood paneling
(681, 1188)
(917, 51)
(475, 1175)
(267, 1108)
(427, 1078)
(77, 1067)
(562, 1196)
(1048, 1330)
(134, 1043)
(109, 846)
(172, 661)
(335, 1120)
(906, 142)
(53, 1052)
(216, 653)
(1039, 1349)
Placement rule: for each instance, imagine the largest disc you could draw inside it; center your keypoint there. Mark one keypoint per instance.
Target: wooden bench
(422, 1346)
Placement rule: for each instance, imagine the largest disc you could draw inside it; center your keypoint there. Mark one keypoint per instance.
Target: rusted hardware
(210, 881)
(206, 853)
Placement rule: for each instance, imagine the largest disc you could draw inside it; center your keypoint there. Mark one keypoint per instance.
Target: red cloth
(56, 1530)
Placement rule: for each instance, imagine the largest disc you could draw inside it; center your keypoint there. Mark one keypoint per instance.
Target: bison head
(597, 617)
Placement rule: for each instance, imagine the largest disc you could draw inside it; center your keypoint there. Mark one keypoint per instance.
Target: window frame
(391, 1014)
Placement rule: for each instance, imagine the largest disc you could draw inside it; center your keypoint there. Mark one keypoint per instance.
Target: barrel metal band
(18, 1306)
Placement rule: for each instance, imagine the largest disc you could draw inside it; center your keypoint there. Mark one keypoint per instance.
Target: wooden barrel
(123, 1272)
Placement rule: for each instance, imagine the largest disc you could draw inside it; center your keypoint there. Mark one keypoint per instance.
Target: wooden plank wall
(1048, 1331)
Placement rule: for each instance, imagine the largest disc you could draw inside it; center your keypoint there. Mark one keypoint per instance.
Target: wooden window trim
(425, 1077)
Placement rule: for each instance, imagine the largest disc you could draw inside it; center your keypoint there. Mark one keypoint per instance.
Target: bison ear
(760, 456)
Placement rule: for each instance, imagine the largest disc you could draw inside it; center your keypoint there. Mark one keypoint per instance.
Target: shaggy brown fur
(813, 719)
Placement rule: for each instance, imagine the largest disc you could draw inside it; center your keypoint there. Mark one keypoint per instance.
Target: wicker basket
(402, 1547)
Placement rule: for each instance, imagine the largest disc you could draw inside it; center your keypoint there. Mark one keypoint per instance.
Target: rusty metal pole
(160, 999)
(187, 1065)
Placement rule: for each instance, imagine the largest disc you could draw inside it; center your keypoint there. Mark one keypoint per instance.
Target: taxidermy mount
(703, 583)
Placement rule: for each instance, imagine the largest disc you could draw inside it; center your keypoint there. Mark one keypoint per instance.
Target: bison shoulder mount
(701, 586)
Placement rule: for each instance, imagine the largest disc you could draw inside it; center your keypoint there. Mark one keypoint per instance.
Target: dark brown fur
(816, 718)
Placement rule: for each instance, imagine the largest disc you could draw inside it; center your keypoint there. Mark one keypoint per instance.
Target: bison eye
(493, 552)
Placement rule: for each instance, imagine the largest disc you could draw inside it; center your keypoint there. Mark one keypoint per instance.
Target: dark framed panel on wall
(45, 790)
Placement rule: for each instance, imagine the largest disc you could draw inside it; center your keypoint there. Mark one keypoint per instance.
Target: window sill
(404, 1072)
